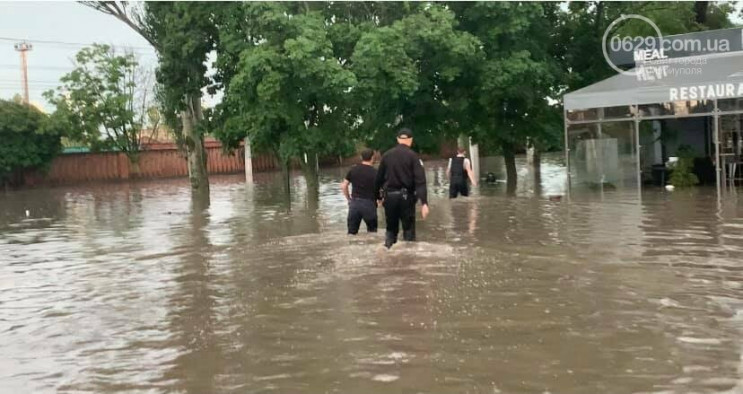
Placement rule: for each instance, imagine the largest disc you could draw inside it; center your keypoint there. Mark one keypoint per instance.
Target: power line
(20, 89)
(16, 66)
(30, 80)
(79, 44)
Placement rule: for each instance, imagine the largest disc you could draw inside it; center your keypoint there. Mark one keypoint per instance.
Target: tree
(409, 73)
(182, 34)
(28, 140)
(287, 92)
(100, 97)
(511, 87)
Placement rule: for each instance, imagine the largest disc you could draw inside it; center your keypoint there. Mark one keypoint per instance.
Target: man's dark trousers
(360, 208)
(399, 206)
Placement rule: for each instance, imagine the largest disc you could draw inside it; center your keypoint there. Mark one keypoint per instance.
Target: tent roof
(628, 90)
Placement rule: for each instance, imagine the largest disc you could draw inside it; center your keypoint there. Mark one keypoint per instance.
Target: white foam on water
(696, 368)
(685, 380)
(700, 341)
(385, 378)
(667, 302)
(272, 377)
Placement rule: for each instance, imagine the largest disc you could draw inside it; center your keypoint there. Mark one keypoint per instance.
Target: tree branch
(118, 9)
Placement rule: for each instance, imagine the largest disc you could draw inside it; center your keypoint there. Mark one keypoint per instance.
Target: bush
(28, 140)
(683, 175)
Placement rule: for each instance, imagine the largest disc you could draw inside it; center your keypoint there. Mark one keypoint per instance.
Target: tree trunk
(536, 164)
(700, 11)
(536, 160)
(285, 176)
(309, 169)
(309, 164)
(510, 159)
(134, 161)
(197, 172)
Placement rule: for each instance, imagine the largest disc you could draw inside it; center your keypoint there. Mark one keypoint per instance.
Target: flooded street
(126, 287)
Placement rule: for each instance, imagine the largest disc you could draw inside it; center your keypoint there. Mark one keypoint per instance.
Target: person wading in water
(362, 201)
(458, 170)
(402, 177)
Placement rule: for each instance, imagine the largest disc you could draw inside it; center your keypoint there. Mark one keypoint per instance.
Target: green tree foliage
(98, 100)
(408, 73)
(509, 90)
(28, 139)
(288, 92)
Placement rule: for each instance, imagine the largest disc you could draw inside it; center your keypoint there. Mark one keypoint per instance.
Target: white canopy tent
(693, 72)
(602, 121)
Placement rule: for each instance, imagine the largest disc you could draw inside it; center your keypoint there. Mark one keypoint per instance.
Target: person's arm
(448, 170)
(420, 186)
(379, 181)
(344, 188)
(470, 173)
(419, 179)
(345, 183)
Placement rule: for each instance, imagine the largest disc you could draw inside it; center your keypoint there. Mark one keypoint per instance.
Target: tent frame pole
(567, 147)
(718, 164)
(635, 113)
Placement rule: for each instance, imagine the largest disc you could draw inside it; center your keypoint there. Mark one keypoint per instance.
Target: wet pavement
(128, 287)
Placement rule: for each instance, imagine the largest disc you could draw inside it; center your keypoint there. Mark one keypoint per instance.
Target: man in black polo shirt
(361, 202)
(404, 181)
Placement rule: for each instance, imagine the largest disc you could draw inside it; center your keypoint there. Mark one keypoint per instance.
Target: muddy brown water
(127, 287)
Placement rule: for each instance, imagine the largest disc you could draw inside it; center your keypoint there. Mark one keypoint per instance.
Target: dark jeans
(362, 209)
(400, 207)
(458, 187)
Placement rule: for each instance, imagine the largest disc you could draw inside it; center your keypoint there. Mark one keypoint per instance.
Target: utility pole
(24, 47)
(248, 162)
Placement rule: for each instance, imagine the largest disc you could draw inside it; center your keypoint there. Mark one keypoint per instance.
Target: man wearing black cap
(404, 181)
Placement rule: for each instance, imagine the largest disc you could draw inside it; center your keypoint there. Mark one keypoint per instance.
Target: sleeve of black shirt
(379, 180)
(348, 175)
(420, 181)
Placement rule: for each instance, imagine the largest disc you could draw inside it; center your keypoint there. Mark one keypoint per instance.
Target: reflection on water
(132, 287)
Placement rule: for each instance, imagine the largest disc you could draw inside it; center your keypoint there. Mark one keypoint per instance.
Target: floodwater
(127, 287)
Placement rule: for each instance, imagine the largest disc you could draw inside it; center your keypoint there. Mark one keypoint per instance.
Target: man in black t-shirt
(361, 202)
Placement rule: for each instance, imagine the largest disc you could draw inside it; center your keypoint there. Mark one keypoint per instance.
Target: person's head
(405, 136)
(367, 155)
(461, 150)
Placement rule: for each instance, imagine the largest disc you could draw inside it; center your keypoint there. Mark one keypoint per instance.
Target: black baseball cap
(404, 133)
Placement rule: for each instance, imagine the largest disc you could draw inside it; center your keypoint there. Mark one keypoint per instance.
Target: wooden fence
(163, 161)
(158, 161)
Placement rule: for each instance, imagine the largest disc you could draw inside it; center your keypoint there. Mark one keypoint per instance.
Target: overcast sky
(69, 26)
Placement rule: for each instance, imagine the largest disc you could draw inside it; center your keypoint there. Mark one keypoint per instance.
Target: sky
(68, 26)
(57, 30)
